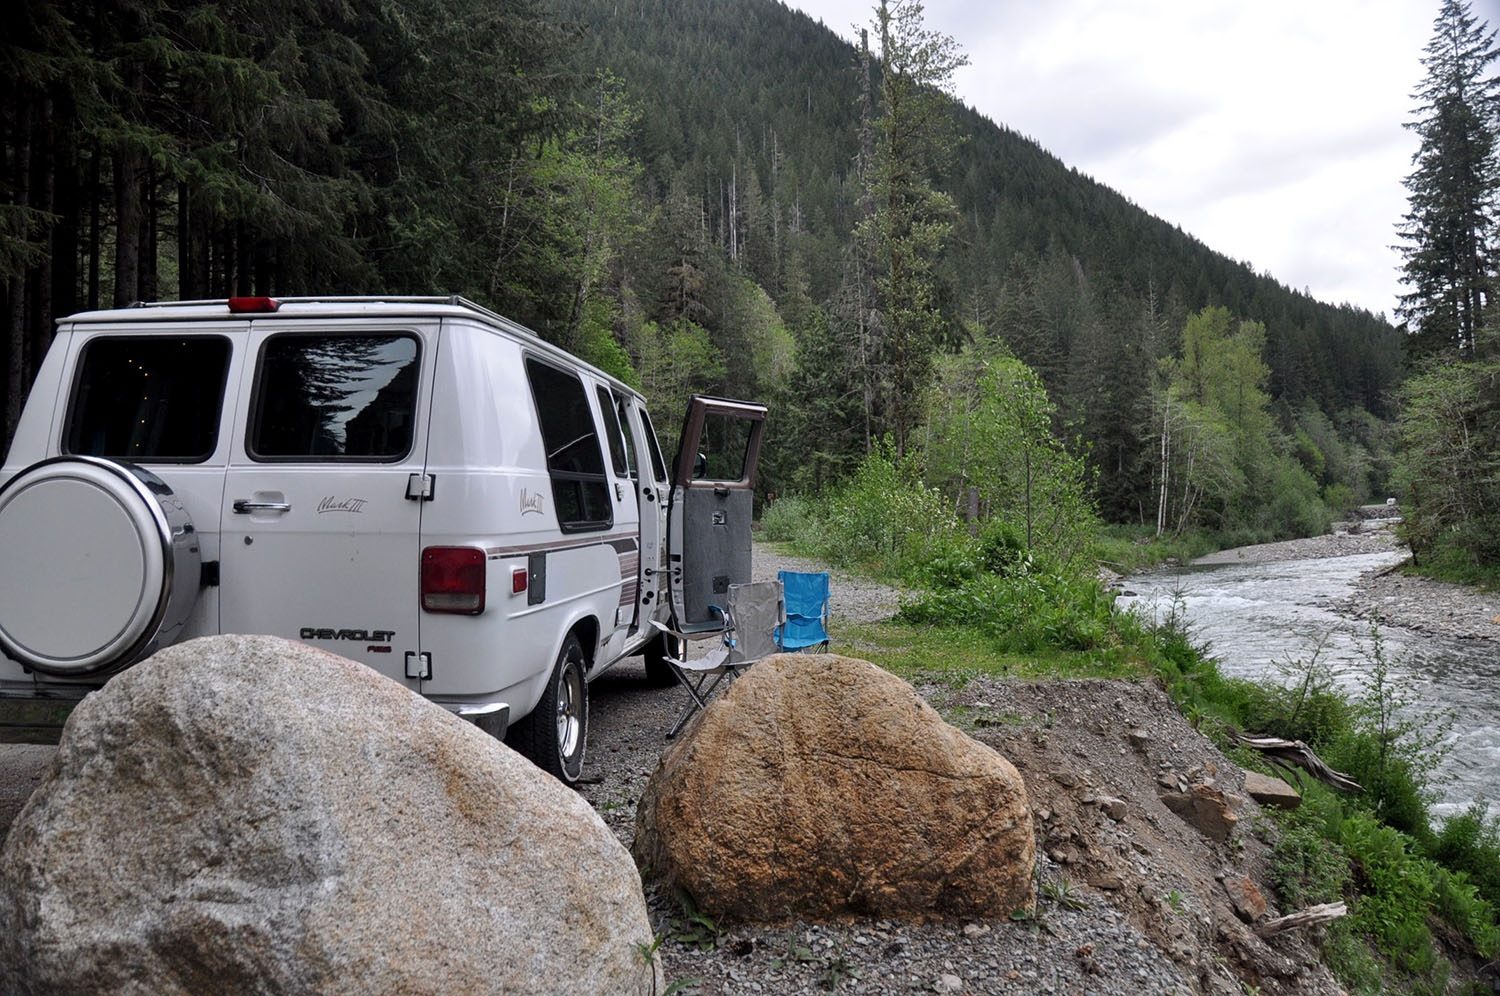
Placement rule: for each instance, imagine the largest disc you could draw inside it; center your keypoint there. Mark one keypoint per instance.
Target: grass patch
(1449, 562)
(1124, 549)
(954, 655)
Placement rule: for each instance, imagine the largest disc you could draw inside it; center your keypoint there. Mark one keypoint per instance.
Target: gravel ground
(1426, 606)
(1346, 539)
(853, 598)
(1122, 937)
(1096, 949)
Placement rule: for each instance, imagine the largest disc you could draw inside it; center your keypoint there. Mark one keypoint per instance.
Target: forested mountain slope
(755, 87)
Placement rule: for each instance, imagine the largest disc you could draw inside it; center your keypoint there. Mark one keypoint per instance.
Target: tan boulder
(1271, 791)
(820, 787)
(1206, 809)
(249, 815)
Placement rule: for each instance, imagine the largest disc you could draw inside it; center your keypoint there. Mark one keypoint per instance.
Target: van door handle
(244, 506)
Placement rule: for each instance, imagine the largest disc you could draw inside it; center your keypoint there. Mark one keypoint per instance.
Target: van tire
(555, 734)
(659, 673)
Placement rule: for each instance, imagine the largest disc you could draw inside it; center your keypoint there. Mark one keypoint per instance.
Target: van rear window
(334, 397)
(153, 399)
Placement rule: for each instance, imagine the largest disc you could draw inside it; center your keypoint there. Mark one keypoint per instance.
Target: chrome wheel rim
(569, 714)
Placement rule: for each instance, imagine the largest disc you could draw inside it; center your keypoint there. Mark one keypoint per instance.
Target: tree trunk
(128, 219)
(95, 195)
(188, 288)
(147, 285)
(39, 309)
(15, 288)
(65, 234)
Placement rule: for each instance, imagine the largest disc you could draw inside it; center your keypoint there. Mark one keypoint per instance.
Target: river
(1256, 617)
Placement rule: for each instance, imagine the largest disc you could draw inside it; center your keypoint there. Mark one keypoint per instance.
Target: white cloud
(1271, 131)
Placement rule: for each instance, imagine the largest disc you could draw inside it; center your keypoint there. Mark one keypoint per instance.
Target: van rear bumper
(491, 717)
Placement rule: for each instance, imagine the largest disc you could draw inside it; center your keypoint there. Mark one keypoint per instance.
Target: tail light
(453, 579)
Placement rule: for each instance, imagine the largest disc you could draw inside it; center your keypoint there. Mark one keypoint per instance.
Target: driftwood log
(1302, 918)
(1286, 754)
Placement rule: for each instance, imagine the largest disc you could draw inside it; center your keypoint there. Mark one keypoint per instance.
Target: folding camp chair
(806, 625)
(751, 613)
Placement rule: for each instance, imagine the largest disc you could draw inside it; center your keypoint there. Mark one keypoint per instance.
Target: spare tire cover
(101, 566)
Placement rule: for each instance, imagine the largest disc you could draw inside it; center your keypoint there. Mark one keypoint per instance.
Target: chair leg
(700, 696)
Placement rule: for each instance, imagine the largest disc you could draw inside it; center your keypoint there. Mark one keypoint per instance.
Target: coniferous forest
(717, 196)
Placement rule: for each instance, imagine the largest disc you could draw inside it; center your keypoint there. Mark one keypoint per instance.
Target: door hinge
(419, 487)
(419, 665)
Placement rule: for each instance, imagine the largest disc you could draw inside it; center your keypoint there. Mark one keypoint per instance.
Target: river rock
(245, 814)
(821, 786)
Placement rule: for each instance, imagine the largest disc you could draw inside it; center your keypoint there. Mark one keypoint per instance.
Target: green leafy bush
(790, 519)
(1307, 867)
(1029, 609)
(1396, 891)
(1470, 843)
(886, 515)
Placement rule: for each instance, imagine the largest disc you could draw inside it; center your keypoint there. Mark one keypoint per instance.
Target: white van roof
(303, 308)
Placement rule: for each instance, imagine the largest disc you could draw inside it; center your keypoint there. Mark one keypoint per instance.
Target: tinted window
(612, 430)
(622, 415)
(335, 397)
(657, 465)
(149, 399)
(726, 443)
(574, 460)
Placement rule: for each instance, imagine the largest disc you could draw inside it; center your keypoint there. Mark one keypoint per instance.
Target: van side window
(658, 466)
(334, 397)
(622, 415)
(155, 399)
(612, 430)
(574, 460)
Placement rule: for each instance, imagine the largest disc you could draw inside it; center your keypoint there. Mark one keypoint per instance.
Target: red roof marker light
(253, 305)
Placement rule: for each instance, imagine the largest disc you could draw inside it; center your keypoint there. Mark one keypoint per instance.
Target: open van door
(713, 500)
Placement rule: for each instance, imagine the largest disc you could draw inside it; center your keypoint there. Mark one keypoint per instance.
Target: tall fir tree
(915, 140)
(1450, 229)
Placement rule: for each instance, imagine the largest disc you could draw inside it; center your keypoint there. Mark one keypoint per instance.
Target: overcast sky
(1272, 131)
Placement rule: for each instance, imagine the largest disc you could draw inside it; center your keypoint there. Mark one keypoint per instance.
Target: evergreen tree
(912, 219)
(1451, 225)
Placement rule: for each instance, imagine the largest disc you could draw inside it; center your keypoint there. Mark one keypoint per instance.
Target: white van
(416, 483)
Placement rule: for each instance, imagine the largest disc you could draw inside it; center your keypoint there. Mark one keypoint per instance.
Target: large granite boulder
(245, 814)
(821, 787)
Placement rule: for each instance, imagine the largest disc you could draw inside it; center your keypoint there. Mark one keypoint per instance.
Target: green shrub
(1461, 905)
(1391, 747)
(886, 515)
(1030, 609)
(1307, 867)
(1395, 891)
(1470, 843)
(1305, 704)
(790, 519)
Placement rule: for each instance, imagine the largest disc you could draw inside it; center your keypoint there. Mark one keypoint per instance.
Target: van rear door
(323, 503)
(713, 501)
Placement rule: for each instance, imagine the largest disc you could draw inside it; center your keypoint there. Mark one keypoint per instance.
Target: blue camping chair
(806, 612)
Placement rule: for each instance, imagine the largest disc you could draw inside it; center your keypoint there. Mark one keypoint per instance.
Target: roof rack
(454, 300)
